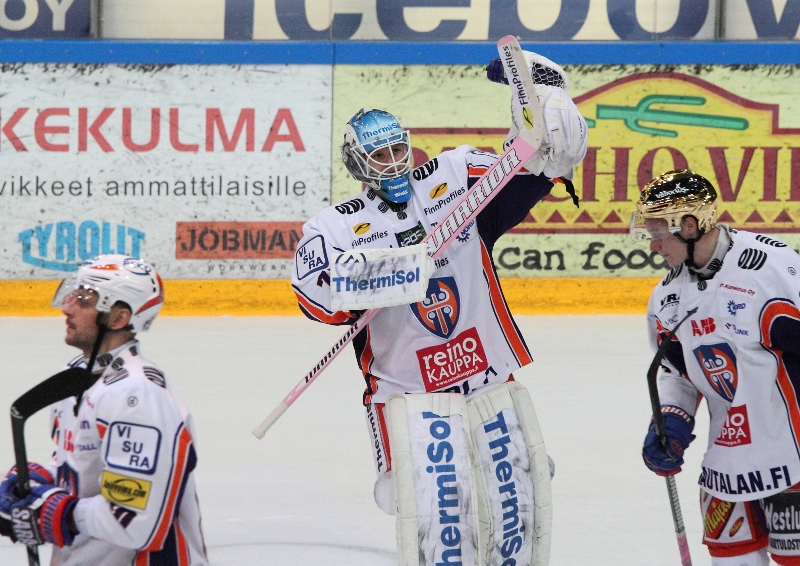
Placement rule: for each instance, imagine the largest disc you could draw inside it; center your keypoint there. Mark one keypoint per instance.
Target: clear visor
(643, 229)
(68, 294)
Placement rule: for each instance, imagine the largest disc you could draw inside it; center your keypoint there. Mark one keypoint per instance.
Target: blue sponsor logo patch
(63, 246)
(734, 307)
(311, 257)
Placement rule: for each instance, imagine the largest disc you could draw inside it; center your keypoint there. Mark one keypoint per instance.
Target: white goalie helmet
(118, 278)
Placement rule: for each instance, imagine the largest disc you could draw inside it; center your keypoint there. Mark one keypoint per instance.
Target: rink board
(212, 178)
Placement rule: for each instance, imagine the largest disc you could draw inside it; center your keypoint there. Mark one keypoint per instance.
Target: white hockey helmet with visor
(117, 278)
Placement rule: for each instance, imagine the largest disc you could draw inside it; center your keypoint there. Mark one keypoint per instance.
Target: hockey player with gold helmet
(740, 352)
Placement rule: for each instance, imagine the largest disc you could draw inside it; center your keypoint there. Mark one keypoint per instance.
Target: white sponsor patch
(311, 257)
(737, 307)
(133, 447)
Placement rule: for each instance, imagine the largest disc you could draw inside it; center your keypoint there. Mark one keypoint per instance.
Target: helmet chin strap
(690, 242)
(102, 329)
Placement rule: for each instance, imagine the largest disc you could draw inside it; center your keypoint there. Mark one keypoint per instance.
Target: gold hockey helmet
(672, 196)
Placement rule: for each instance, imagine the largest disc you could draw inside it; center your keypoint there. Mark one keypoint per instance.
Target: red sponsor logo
(705, 326)
(237, 240)
(453, 361)
(69, 445)
(736, 430)
(736, 526)
(743, 290)
(717, 516)
(112, 129)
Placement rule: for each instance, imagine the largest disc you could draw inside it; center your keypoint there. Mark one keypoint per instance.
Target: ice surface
(303, 494)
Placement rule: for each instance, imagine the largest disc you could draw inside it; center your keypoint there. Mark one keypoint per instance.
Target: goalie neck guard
(377, 151)
(118, 278)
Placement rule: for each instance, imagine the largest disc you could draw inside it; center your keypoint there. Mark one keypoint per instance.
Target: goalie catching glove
(566, 134)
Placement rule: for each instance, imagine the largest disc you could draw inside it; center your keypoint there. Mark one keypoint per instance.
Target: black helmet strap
(690, 247)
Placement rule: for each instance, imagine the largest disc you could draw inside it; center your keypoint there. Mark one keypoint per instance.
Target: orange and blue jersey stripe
(502, 314)
(788, 383)
(316, 312)
(183, 462)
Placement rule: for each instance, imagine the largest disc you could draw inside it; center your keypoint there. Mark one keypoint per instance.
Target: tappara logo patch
(453, 361)
(736, 430)
(719, 366)
(439, 311)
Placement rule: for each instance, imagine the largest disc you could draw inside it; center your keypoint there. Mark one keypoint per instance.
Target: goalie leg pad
(512, 473)
(382, 456)
(437, 516)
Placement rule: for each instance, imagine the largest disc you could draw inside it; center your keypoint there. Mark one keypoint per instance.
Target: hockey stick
(655, 404)
(68, 383)
(465, 209)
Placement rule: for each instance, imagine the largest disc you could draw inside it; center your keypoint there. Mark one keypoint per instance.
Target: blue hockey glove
(8, 497)
(43, 516)
(495, 72)
(678, 425)
(40, 517)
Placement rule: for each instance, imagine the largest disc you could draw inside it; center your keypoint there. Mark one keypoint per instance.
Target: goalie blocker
(471, 479)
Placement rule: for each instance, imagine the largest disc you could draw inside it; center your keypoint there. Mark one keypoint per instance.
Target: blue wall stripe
(173, 52)
(390, 53)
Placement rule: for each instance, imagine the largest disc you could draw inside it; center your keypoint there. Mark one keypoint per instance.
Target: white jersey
(741, 351)
(462, 336)
(129, 456)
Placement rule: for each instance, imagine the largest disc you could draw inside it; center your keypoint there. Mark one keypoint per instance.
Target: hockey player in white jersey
(741, 352)
(460, 337)
(120, 488)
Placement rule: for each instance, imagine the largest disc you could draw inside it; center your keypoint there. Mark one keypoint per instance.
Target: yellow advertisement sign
(648, 123)
(724, 122)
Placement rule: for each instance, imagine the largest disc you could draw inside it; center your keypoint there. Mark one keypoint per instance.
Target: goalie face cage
(377, 151)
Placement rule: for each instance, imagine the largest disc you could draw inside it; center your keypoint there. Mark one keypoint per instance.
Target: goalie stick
(655, 405)
(525, 145)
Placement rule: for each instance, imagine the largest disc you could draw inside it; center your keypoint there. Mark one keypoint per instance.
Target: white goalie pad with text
(512, 473)
(436, 513)
(471, 479)
(383, 277)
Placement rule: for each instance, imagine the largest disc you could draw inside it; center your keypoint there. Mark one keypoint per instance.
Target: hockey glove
(678, 425)
(8, 497)
(43, 516)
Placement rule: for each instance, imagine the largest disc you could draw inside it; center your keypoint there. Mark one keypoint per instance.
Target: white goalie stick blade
(463, 211)
(519, 79)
